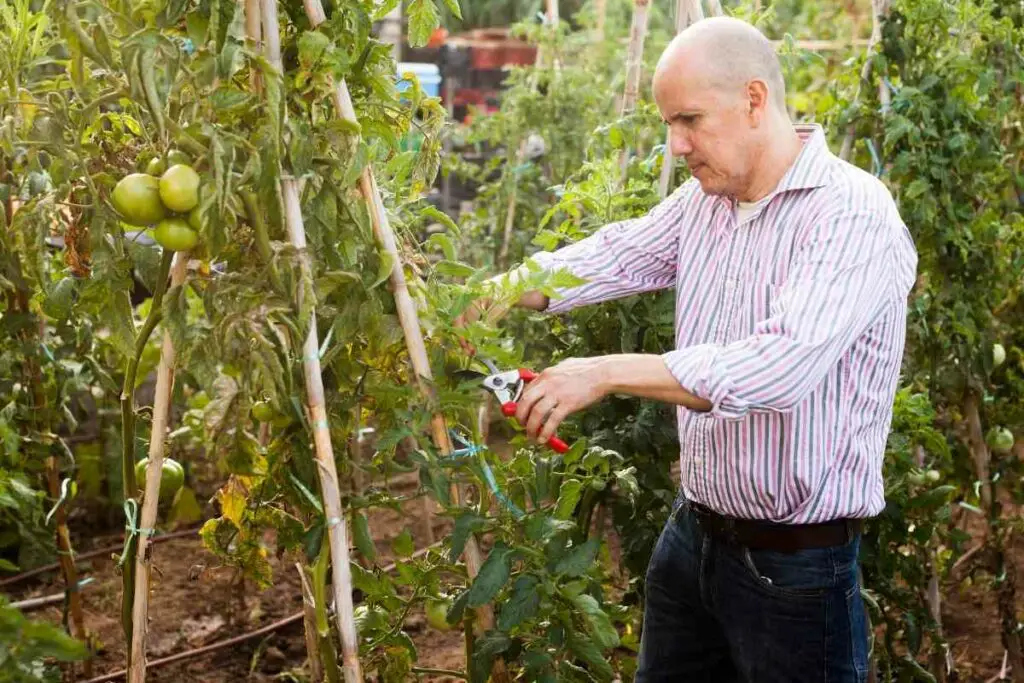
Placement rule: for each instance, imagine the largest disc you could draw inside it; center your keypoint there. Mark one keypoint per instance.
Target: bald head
(727, 54)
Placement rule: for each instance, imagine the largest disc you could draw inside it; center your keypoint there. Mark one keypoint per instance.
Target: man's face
(711, 128)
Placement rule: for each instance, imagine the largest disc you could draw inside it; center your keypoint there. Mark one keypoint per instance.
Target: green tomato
(156, 166)
(179, 188)
(1000, 440)
(263, 411)
(437, 613)
(175, 234)
(998, 355)
(137, 198)
(194, 220)
(176, 156)
(171, 478)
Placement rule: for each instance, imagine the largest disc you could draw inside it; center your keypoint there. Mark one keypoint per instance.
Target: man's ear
(757, 100)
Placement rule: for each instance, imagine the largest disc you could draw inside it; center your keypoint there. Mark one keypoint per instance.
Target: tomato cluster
(170, 201)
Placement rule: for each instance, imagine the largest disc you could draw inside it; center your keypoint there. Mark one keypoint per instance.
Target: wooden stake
(409, 319)
(341, 572)
(714, 8)
(601, 10)
(634, 63)
(687, 12)
(151, 496)
(252, 29)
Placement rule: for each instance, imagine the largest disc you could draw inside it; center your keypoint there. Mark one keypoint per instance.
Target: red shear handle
(558, 445)
(527, 375)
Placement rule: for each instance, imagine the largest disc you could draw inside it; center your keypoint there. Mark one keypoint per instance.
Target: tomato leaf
(444, 243)
(465, 524)
(364, 542)
(590, 654)
(454, 269)
(387, 264)
(492, 577)
(577, 562)
(568, 496)
(423, 17)
(453, 7)
(484, 651)
(521, 605)
(403, 544)
(598, 623)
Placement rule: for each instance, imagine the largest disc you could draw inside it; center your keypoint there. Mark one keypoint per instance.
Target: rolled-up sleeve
(620, 259)
(841, 278)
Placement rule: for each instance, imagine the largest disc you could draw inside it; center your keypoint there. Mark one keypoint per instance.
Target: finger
(533, 393)
(550, 428)
(539, 415)
(467, 347)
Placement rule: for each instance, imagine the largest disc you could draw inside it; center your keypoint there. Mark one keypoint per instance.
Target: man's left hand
(560, 391)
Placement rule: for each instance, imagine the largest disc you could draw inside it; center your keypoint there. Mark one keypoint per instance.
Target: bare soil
(194, 602)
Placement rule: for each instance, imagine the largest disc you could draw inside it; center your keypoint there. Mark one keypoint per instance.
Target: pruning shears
(508, 386)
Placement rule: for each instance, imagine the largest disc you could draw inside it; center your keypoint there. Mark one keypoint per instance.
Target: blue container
(428, 75)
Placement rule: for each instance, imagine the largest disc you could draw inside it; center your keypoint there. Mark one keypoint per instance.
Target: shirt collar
(812, 167)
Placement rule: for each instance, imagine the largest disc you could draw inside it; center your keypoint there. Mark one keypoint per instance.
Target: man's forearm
(535, 300)
(647, 376)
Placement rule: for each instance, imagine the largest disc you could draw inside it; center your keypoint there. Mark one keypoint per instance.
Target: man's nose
(680, 144)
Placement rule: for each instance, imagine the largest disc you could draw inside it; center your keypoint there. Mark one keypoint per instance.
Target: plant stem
(131, 491)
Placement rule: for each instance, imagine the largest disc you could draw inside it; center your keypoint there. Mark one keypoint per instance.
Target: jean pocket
(809, 573)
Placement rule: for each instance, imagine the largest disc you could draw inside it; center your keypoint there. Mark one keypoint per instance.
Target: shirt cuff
(566, 299)
(694, 369)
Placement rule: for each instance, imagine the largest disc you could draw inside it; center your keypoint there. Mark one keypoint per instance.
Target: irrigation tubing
(269, 628)
(93, 553)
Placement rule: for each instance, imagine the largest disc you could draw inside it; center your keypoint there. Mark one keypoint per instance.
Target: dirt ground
(194, 603)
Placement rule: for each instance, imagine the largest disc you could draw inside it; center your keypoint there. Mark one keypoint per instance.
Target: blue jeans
(721, 613)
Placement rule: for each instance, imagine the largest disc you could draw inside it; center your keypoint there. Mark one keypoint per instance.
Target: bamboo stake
(879, 10)
(634, 64)
(252, 29)
(341, 572)
(151, 497)
(714, 8)
(601, 10)
(687, 12)
(409, 320)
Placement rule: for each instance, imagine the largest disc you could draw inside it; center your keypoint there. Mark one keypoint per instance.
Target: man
(792, 270)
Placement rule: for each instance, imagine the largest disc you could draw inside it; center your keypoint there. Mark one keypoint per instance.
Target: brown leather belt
(785, 538)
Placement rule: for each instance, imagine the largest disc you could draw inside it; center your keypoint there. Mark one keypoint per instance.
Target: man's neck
(778, 156)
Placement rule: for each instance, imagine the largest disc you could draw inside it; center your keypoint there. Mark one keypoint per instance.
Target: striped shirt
(791, 324)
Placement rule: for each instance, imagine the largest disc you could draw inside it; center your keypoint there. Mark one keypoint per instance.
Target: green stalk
(131, 491)
(259, 226)
(328, 655)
